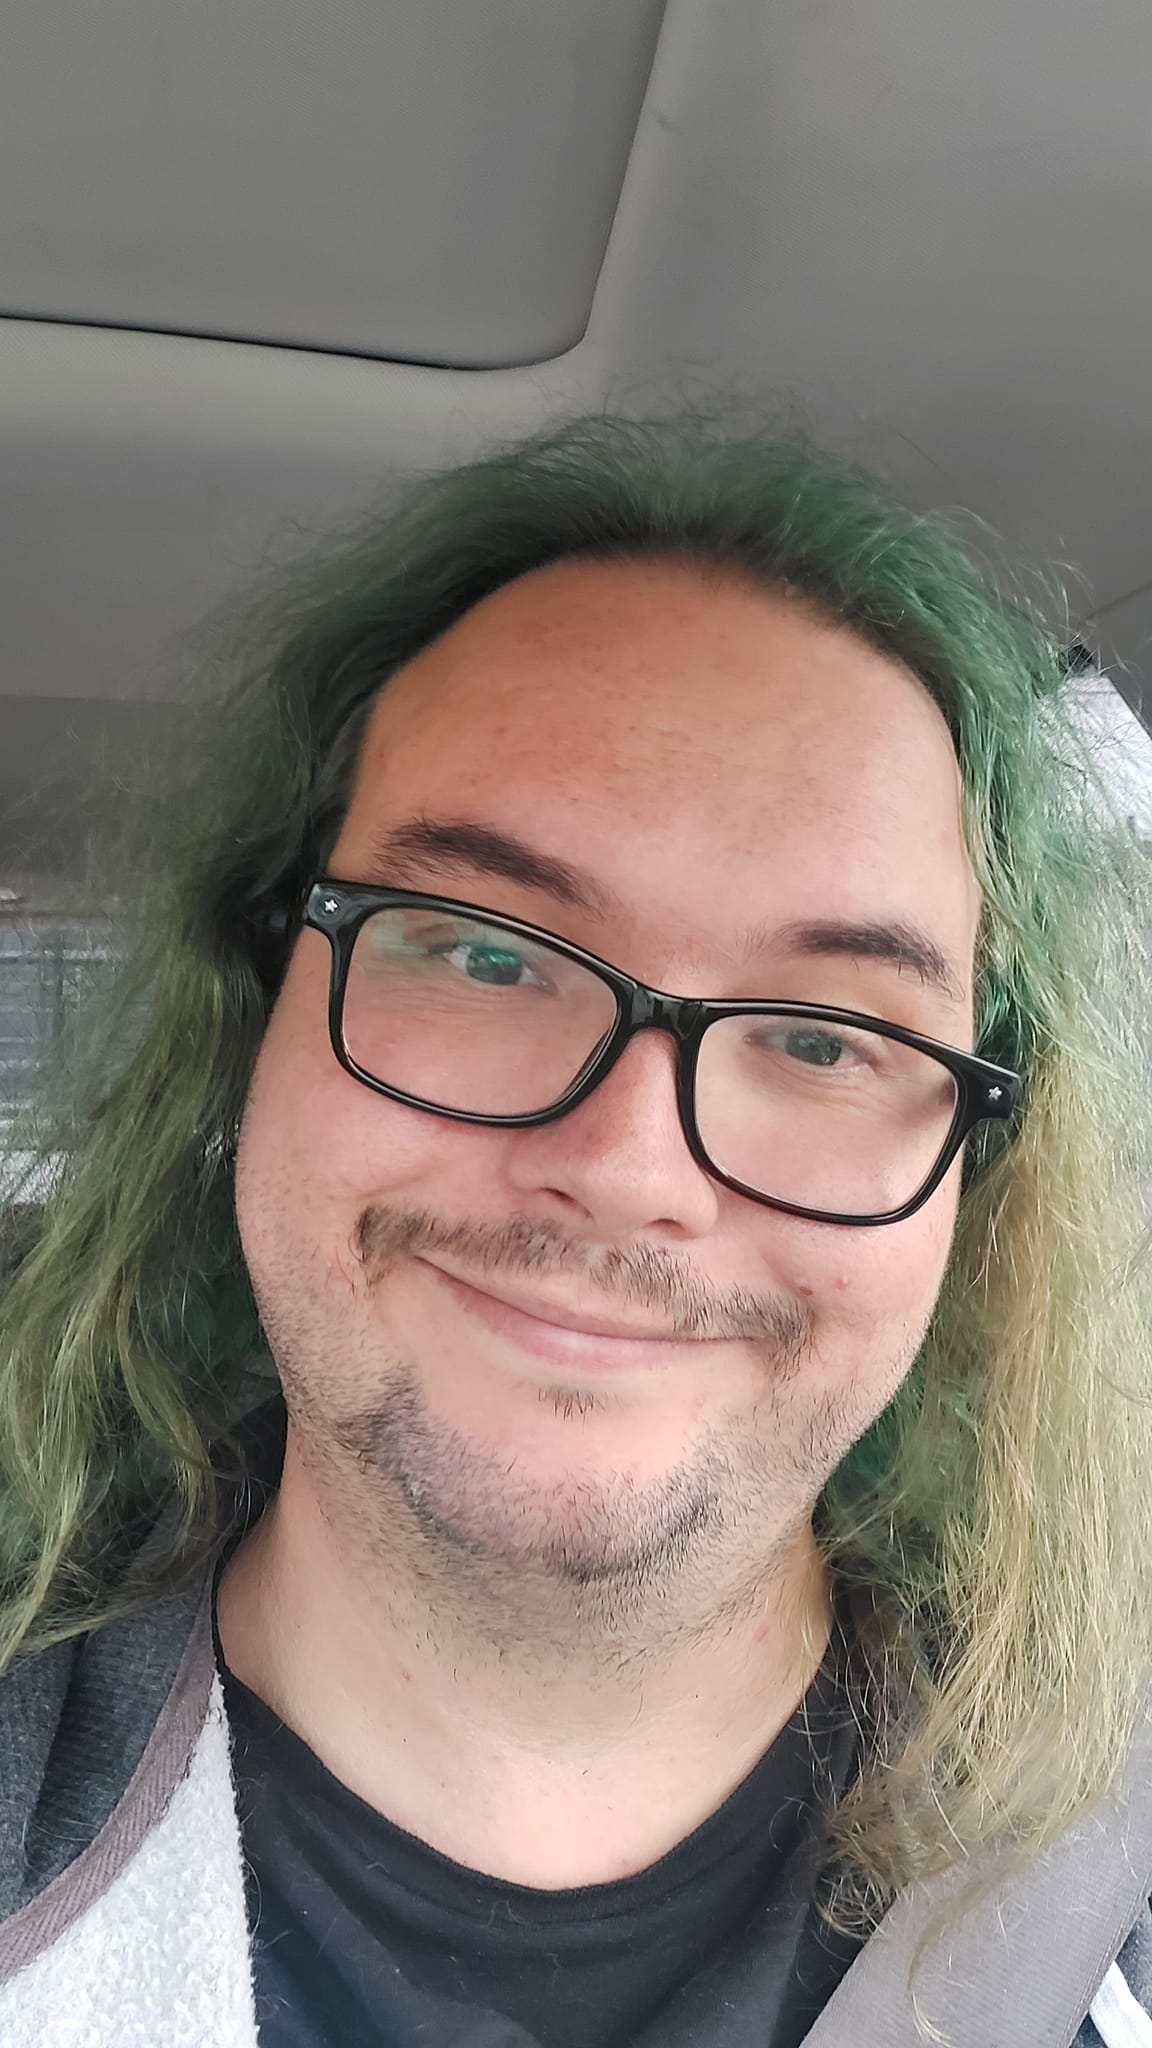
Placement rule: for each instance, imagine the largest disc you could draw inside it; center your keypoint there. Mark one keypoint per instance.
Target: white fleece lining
(1116, 2016)
(160, 1960)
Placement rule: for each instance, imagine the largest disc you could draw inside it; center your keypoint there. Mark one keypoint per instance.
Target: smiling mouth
(560, 1334)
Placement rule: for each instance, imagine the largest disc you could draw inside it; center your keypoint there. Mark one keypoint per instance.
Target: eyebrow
(896, 945)
(404, 853)
(458, 845)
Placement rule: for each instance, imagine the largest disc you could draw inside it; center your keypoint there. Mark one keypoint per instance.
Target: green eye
(497, 964)
(815, 1048)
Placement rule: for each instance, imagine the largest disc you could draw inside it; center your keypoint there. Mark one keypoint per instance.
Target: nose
(620, 1161)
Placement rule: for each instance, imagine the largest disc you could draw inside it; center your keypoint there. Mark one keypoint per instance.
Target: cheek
(870, 1292)
(316, 1147)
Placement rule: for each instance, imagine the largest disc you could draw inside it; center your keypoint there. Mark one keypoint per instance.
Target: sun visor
(429, 181)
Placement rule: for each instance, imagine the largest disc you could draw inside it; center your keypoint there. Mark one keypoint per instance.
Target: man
(576, 1430)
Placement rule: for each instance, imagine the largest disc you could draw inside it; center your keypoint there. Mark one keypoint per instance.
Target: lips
(563, 1335)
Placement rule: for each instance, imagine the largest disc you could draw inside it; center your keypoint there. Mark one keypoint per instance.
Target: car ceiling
(261, 260)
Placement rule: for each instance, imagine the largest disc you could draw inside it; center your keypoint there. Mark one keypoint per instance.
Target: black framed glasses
(486, 1019)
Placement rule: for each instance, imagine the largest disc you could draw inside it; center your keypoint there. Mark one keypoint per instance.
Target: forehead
(700, 744)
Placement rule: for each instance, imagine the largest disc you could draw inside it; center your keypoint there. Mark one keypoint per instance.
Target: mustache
(639, 1276)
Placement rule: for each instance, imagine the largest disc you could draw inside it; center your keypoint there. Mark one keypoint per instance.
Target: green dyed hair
(999, 1512)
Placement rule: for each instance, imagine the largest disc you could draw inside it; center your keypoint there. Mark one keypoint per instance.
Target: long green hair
(1000, 1511)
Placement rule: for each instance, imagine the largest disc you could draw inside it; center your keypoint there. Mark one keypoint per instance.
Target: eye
(806, 1045)
(489, 960)
(815, 1048)
(401, 948)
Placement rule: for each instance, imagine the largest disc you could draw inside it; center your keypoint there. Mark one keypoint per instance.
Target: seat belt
(1021, 1968)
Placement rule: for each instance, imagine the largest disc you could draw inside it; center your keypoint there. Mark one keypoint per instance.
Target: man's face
(719, 771)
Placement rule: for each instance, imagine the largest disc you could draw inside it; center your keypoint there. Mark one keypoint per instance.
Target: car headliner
(919, 230)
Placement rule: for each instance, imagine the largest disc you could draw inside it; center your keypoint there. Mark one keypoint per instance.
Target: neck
(538, 1731)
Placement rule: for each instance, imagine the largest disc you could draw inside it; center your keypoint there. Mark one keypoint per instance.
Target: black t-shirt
(365, 1937)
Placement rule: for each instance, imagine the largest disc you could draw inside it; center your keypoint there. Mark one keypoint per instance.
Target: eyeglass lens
(465, 1015)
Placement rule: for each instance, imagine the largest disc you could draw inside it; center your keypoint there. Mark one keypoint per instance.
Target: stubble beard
(592, 1560)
